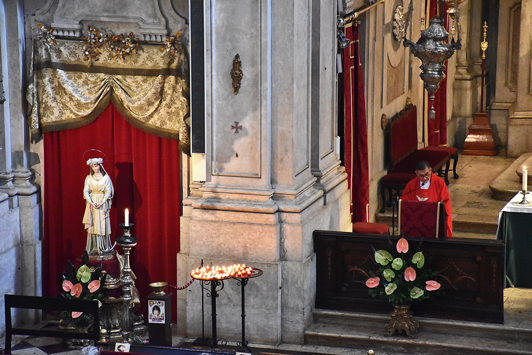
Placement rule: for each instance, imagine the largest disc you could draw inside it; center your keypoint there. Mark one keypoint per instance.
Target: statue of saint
(98, 192)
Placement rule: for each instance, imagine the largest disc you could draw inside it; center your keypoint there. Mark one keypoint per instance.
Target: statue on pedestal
(98, 192)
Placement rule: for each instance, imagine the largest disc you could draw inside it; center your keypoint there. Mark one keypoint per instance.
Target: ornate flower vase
(401, 320)
(69, 323)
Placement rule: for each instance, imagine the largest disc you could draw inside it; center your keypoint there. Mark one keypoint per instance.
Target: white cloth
(515, 206)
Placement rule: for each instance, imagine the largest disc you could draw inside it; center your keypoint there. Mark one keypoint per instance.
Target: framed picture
(156, 311)
(122, 347)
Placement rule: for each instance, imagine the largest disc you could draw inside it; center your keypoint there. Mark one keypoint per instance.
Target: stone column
(15, 175)
(467, 79)
(520, 123)
(511, 55)
(273, 174)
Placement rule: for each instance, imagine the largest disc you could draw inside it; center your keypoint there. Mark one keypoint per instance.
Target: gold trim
(354, 15)
(438, 219)
(104, 69)
(398, 219)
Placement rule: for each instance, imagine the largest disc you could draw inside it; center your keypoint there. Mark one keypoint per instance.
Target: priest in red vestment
(429, 187)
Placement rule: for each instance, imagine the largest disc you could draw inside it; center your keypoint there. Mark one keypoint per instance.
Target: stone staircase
(435, 336)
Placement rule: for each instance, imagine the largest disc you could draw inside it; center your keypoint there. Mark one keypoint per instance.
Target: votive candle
(126, 218)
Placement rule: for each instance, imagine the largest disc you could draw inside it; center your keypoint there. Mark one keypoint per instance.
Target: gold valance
(149, 88)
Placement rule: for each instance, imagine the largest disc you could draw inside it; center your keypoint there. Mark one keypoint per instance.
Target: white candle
(525, 178)
(126, 221)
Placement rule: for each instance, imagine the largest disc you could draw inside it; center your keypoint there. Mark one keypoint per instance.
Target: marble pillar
(20, 211)
(512, 107)
(520, 123)
(273, 173)
(467, 78)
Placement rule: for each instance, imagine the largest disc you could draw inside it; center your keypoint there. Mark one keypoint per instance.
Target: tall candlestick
(126, 219)
(525, 178)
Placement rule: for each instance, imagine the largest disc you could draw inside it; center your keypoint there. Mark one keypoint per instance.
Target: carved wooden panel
(470, 271)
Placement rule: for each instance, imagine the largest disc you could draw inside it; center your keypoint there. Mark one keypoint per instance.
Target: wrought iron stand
(243, 282)
(216, 286)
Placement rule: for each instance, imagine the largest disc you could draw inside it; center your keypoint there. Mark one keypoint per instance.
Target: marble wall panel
(238, 241)
(327, 86)
(236, 118)
(69, 13)
(9, 225)
(9, 283)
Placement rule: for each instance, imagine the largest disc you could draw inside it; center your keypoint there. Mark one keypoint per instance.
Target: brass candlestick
(524, 201)
(127, 242)
(484, 47)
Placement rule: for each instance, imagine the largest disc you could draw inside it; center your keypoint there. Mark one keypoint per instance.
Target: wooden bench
(403, 155)
(471, 272)
(51, 304)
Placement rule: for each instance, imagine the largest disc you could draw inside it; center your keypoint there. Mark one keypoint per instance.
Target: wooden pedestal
(159, 319)
(480, 140)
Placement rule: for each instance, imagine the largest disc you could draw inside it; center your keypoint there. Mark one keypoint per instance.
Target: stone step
(435, 336)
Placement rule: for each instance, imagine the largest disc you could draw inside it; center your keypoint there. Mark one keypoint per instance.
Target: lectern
(422, 219)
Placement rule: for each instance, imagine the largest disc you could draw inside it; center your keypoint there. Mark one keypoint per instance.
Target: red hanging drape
(437, 128)
(145, 171)
(355, 127)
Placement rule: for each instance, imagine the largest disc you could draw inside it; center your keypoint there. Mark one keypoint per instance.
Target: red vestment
(436, 192)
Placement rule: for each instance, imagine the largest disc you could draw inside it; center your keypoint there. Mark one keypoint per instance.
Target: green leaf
(397, 263)
(71, 271)
(388, 274)
(85, 258)
(418, 259)
(383, 257)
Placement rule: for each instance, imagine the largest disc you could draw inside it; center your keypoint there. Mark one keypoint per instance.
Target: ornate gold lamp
(433, 51)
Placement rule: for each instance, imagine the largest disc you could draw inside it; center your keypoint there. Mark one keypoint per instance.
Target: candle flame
(222, 272)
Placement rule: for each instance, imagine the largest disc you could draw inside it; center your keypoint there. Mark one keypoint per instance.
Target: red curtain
(145, 171)
(437, 128)
(355, 127)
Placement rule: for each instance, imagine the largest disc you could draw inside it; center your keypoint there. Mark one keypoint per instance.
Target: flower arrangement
(84, 283)
(401, 280)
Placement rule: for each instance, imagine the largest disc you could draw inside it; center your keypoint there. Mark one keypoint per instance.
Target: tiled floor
(471, 200)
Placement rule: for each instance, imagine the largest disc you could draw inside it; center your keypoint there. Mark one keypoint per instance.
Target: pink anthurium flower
(76, 290)
(94, 286)
(67, 285)
(432, 285)
(410, 274)
(373, 282)
(76, 314)
(402, 246)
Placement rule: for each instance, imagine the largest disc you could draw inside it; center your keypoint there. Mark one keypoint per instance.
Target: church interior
(123, 181)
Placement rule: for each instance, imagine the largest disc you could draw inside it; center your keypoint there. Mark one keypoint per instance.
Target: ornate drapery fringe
(149, 88)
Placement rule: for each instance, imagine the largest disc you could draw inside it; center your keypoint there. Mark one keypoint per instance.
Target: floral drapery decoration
(150, 89)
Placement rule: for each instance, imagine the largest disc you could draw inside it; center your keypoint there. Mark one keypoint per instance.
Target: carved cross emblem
(236, 127)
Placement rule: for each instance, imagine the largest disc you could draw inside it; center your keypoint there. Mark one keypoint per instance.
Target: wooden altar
(471, 273)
